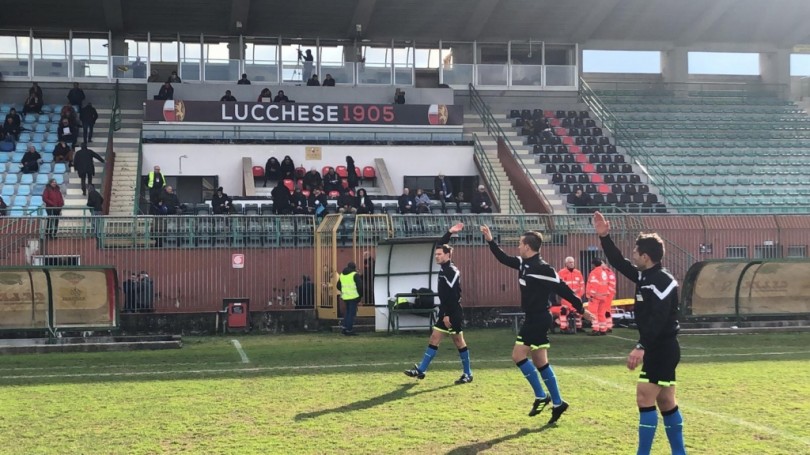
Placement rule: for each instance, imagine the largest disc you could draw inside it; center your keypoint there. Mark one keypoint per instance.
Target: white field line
(241, 351)
(688, 407)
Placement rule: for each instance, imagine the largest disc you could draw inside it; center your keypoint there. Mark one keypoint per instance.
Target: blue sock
(527, 368)
(464, 353)
(647, 423)
(551, 384)
(430, 353)
(673, 423)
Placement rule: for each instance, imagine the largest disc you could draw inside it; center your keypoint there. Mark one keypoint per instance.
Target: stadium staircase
(721, 151)
(126, 143)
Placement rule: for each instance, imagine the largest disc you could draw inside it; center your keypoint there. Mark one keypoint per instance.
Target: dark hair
(446, 249)
(352, 266)
(533, 239)
(652, 245)
(596, 262)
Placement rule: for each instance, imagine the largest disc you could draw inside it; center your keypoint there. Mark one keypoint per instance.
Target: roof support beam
(240, 11)
(113, 15)
(704, 22)
(361, 17)
(593, 21)
(479, 18)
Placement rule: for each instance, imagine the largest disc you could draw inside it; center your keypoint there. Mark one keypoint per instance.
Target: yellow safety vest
(348, 288)
(152, 180)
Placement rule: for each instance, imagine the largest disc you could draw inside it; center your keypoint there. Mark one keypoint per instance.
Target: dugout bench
(394, 312)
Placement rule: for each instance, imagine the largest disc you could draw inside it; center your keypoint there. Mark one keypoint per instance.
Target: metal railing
(109, 161)
(136, 209)
(494, 129)
(488, 170)
(697, 92)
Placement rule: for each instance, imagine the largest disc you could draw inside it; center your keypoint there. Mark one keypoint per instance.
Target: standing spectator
(350, 286)
(222, 203)
(228, 96)
(331, 181)
(312, 179)
(168, 202)
(574, 279)
(287, 168)
(32, 104)
(3, 207)
(88, 116)
(657, 351)
(399, 96)
(421, 201)
(306, 293)
(95, 200)
(76, 96)
(281, 199)
(308, 64)
(146, 294)
(442, 188)
(405, 202)
(166, 92)
(363, 203)
(313, 81)
(174, 78)
(316, 203)
(52, 196)
(328, 81)
(368, 277)
(67, 132)
(155, 183)
(244, 80)
(281, 97)
(480, 201)
(30, 160)
(351, 170)
(131, 288)
(345, 203)
(272, 170)
(266, 96)
(154, 76)
(35, 89)
(600, 288)
(83, 163)
(11, 129)
(62, 153)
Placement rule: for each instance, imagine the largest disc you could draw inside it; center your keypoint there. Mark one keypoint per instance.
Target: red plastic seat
(342, 172)
(358, 172)
(305, 193)
(258, 171)
(596, 178)
(575, 149)
(333, 194)
(549, 114)
(580, 158)
(604, 189)
(554, 122)
(289, 184)
(560, 131)
(568, 140)
(325, 170)
(344, 183)
(369, 173)
(588, 168)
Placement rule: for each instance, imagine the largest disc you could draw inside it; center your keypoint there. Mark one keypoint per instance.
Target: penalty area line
(241, 351)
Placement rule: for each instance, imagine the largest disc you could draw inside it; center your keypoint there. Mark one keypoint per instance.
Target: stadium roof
(780, 23)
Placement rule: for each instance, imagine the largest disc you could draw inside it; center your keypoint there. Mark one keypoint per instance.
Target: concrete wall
(226, 160)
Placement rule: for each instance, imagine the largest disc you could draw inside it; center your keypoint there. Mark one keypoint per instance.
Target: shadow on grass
(401, 392)
(486, 445)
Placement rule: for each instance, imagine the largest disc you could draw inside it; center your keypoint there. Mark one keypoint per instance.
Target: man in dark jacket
(442, 188)
(281, 199)
(95, 200)
(328, 81)
(168, 202)
(76, 96)
(88, 116)
(480, 201)
(222, 203)
(350, 285)
(30, 160)
(83, 163)
(345, 203)
(312, 180)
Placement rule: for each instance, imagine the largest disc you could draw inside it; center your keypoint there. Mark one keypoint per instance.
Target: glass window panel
(644, 62)
(800, 64)
(492, 53)
(81, 46)
(736, 63)
(427, 58)
(98, 47)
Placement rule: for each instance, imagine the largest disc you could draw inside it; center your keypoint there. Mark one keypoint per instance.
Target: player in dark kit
(657, 350)
(450, 316)
(537, 281)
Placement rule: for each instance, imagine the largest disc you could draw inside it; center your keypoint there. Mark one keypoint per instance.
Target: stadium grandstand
(555, 109)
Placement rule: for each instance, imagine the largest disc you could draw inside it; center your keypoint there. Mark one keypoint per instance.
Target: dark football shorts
(660, 363)
(534, 332)
(456, 321)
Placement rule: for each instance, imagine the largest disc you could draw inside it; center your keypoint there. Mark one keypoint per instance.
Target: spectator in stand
(405, 202)
(221, 202)
(154, 76)
(363, 203)
(266, 96)
(287, 168)
(308, 64)
(458, 199)
(244, 80)
(76, 96)
(30, 160)
(312, 179)
(174, 78)
(399, 96)
(131, 291)
(480, 201)
(281, 199)
(272, 170)
(146, 294)
(328, 81)
(33, 104)
(138, 68)
(52, 196)
(168, 203)
(14, 116)
(67, 132)
(331, 181)
(83, 163)
(316, 203)
(88, 115)
(95, 200)
(3, 207)
(155, 181)
(69, 113)
(346, 203)
(11, 129)
(351, 169)
(228, 96)
(35, 89)
(299, 203)
(313, 81)
(421, 201)
(581, 201)
(281, 97)
(62, 153)
(442, 188)
(166, 92)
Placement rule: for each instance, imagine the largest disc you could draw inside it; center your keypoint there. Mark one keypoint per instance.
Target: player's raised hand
(455, 229)
(601, 224)
(487, 234)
